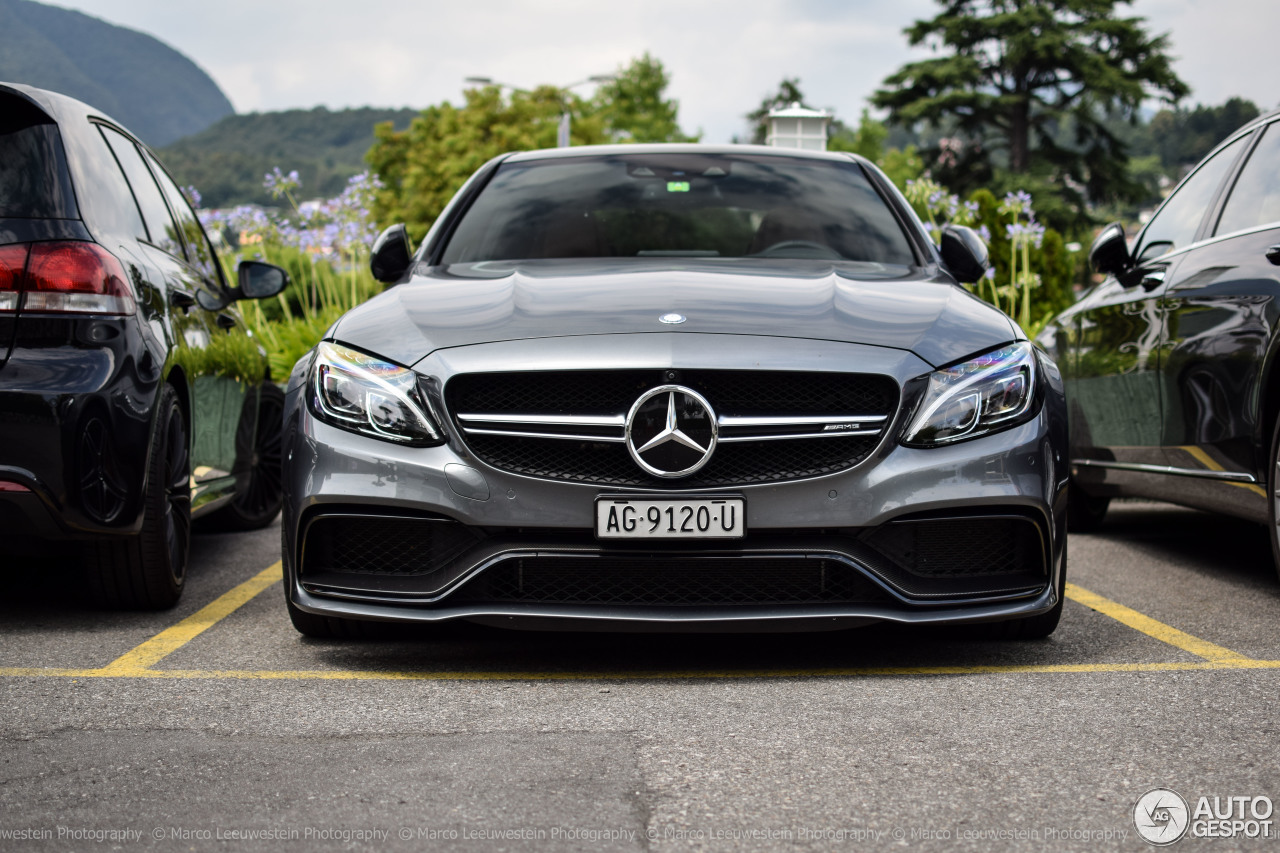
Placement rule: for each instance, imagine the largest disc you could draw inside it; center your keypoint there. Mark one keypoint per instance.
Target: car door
(1222, 314)
(201, 323)
(1119, 345)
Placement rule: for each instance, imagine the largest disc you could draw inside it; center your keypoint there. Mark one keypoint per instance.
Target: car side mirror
(964, 253)
(1109, 253)
(257, 280)
(391, 254)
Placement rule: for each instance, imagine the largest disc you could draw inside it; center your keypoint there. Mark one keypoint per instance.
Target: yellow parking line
(655, 675)
(141, 659)
(1209, 462)
(1153, 628)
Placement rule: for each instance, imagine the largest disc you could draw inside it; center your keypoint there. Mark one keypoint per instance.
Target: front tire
(1273, 483)
(1031, 627)
(259, 503)
(1085, 513)
(334, 627)
(149, 570)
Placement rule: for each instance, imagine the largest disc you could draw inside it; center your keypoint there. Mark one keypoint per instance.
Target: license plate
(687, 518)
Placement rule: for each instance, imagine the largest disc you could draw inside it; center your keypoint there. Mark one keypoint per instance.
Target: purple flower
(278, 183)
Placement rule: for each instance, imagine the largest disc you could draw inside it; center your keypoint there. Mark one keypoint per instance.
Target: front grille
(671, 582)
(377, 545)
(961, 547)
(597, 455)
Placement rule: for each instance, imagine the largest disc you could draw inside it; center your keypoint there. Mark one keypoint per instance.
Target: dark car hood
(872, 304)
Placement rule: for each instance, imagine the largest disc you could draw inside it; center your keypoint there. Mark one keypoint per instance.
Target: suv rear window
(679, 204)
(34, 182)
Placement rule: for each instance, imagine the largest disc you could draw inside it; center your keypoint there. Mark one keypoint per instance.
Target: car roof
(61, 108)
(677, 148)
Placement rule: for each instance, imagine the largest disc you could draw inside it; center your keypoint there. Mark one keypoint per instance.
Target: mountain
(154, 90)
(227, 162)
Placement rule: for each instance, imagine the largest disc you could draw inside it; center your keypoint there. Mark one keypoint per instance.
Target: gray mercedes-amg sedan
(676, 386)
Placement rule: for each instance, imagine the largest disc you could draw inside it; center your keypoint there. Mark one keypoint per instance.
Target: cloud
(724, 56)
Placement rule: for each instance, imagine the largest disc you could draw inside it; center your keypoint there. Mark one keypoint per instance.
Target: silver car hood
(900, 307)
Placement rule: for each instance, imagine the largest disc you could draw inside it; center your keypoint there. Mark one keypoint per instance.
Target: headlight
(364, 394)
(985, 394)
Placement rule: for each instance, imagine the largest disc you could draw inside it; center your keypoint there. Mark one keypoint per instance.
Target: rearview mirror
(1109, 253)
(391, 255)
(257, 280)
(964, 253)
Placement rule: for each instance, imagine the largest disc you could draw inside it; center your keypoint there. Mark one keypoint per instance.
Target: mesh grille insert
(961, 547)
(374, 545)
(671, 582)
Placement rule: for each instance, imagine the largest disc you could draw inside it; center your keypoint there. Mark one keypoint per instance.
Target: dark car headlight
(364, 394)
(985, 394)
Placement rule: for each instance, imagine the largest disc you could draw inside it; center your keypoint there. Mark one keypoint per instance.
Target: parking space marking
(1153, 628)
(140, 661)
(1208, 462)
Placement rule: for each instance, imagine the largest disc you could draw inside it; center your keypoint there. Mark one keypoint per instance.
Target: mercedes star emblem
(671, 431)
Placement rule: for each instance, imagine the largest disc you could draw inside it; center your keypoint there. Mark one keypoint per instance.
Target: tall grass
(324, 248)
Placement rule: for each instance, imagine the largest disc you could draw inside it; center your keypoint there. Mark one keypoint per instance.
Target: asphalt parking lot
(216, 726)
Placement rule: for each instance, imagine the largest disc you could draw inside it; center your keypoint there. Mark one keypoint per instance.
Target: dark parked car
(132, 399)
(663, 386)
(1170, 362)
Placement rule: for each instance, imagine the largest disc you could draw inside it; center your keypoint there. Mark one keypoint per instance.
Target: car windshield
(679, 205)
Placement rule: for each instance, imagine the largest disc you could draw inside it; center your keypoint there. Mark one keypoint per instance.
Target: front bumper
(968, 532)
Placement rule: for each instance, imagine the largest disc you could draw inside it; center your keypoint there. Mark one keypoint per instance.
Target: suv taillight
(13, 264)
(83, 278)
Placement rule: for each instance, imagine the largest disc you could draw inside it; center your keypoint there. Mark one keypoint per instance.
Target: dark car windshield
(679, 205)
(34, 183)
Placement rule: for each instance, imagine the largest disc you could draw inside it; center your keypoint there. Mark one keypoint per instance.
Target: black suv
(1171, 362)
(132, 398)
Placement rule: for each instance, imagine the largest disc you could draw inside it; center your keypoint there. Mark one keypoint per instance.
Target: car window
(679, 205)
(199, 252)
(1255, 198)
(34, 181)
(162, 231)
(1176, 222)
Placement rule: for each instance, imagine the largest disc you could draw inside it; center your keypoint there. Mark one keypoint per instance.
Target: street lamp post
(566, 117)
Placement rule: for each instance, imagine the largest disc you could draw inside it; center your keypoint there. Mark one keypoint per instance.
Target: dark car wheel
(335, 628)
(1032, 627)
(1085, 513)
(1274, 485)
(259, 504)
(147, 571)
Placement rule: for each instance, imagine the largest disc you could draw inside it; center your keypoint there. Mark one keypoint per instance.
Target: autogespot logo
(1161, 816)
(671, 431)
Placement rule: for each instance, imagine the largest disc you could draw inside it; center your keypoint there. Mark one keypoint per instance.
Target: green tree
(423, 166)
(1009, 72)
(869, 139)
(1183, 137)
(758, 119)
(633, 108)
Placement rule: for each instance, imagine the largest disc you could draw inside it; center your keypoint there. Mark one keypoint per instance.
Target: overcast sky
(723, 56)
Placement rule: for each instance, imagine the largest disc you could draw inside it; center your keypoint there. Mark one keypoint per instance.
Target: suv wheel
(259, 504)
(147, 571)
